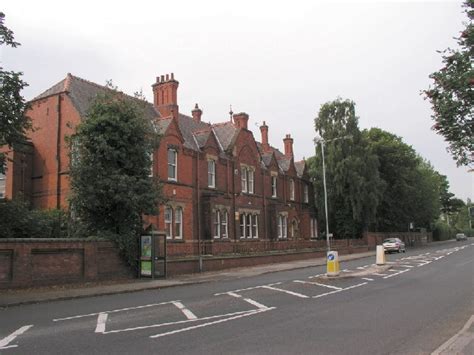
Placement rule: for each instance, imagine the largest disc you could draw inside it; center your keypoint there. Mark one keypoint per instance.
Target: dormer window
(247, 175)
(274, 186)
(211, 173)
(292, 189)
(172, 165)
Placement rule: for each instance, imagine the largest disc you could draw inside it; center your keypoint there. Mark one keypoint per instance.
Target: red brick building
(225, 188)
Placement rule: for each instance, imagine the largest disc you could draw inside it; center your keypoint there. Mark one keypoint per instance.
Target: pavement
(16, 297)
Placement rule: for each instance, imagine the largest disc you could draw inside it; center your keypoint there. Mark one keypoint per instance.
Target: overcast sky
(279, 61)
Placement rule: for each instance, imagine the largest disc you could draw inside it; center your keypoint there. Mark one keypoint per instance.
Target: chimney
(288, 141)
(264, 130)
(197, 113)
(241, 120)
(165, 95)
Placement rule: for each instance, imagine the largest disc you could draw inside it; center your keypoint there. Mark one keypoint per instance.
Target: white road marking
(101, 320)
(337, 291)
(251, 313)
(248, 300)
(398, 273)
(284, 291)
(180, 322)
(318, 284)
(360, 268)
(245, 289)
(316, 276)
(186, 311)
(346, 270)
(8, 339)
(367, 279)
(113, 311)
(379, 274)
(406, 265)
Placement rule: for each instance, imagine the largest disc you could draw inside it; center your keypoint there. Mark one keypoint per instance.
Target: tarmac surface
(461, 343)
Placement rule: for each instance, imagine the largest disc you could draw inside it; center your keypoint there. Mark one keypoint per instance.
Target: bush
(18, 221)
(442, 231)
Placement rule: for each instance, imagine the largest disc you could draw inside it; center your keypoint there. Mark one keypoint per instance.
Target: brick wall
(38, 262)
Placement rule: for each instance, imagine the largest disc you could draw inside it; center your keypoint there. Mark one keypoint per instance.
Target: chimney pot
(172, 76)
(162, 78)
(288, 143)
(264, 130)
(167, 77)
(197, 113)
(241, 120)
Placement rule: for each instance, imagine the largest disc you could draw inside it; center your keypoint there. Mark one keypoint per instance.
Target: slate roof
(82, 92)
(299, 166)
(195, 133)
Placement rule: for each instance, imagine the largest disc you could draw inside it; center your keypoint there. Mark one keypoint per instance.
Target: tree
(353, 183)
(449, 203)
(13, 121)
(110, 170)
(452, 95)
(412, 186)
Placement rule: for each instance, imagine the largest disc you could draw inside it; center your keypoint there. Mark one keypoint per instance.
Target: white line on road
(284, 291)
(251, 313)
(318, 284)
(245, 289)
(186, 311)
(113, 311)
(248, 300)
(337, 291)
(367, 279)
(8, 339)
(101, 320)
(379, 274)
(406, 265)
(398, 273)
(179, 322)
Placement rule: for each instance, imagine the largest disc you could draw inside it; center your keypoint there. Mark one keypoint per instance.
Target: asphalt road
(412, 308)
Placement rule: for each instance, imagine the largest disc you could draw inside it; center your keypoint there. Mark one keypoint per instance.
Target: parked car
(461, 236)
(393, 244)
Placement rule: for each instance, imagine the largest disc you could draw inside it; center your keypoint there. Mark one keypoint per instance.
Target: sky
(279, 61)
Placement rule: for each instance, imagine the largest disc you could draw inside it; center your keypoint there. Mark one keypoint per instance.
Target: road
(412, 308)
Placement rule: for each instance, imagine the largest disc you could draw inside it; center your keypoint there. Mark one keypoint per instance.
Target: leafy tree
(452, 94)
(353, 183)
(110, 168)
(13, 122)
(412, 186)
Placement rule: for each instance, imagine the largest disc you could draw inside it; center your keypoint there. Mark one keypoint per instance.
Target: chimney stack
(197, 113)
(288, 142)
(264, 130)
(241, 120)
(165, 95)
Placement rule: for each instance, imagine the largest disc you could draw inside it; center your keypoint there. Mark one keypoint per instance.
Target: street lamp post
(321, 140)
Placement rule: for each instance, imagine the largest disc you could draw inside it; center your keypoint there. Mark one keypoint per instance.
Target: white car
(393, 244)
(461, 236)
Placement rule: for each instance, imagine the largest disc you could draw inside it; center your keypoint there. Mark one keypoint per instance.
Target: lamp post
(322, 141)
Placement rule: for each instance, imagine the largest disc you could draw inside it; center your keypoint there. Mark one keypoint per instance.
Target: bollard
(380, 256)
(332, 266)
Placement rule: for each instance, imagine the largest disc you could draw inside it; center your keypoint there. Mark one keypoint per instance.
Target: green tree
(353, 183)
(110, 170)
(452, 94)
(412, 186)
(13, 121)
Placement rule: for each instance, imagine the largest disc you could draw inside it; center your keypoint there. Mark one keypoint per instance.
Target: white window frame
(178, 223)
(174, 165)
(242, 221)
(285, 227)
(243, 173)
(211, 173)
(292, 189)
(3, 185)
(274, 186)
(217, 224)
(248, 231)
(225, 224)
(168, 222)
(251, 181)
(255, 226)
(152, 158)
(306, 193)
(313, 228)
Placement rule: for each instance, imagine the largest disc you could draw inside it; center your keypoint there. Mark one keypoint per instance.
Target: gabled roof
(300, 166)
(82, 92)
(226, 133)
